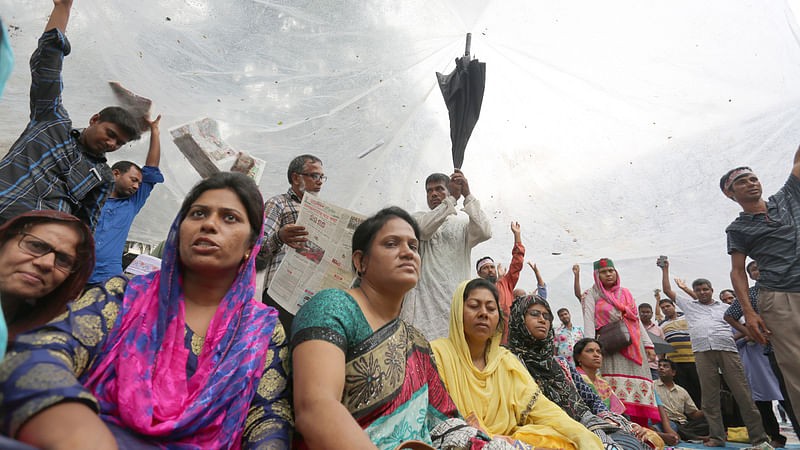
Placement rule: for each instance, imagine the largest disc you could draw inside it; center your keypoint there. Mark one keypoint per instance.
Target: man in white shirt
(715, 352)
(446, 241)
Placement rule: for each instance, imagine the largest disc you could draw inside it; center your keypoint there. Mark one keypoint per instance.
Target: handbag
(613, 337)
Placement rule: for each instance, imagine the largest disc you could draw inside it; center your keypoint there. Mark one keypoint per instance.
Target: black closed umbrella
(462, 90)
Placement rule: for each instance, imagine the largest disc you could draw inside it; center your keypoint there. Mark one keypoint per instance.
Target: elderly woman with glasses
(46, 258)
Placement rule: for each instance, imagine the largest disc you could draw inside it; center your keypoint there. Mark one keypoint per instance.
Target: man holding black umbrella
(446, 241)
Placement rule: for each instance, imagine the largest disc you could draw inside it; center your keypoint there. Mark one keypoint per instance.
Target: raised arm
(753, 321)
(665, 285)
(576, 284)
(796, 165)
(588, 302)
(154, 152)
(539, 279)
(479, 228)
(517, 258)
(659, 314)
(60, 15)
(430, 221)
(685, 288)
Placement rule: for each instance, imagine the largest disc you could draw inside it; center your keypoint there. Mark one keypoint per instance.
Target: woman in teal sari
(363, 378)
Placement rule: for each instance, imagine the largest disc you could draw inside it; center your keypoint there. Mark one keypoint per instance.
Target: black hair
(727, 290)
(437, 178)
(482, 259)
(368, 229)
(701, 281)
(482, 283)
(562, 309)
(125, 166)
(724, 178)
(749, 265)
(666, 300)
(298, 164)
(645, 305)
(243, 186)
(670, 362)
(121, 118)
(579, 346)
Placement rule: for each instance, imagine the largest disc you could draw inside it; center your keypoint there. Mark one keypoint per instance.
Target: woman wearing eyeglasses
(531, 338)
(490, 386)
(46, 258)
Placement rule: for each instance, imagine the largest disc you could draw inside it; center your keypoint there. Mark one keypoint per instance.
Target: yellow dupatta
(503, 396)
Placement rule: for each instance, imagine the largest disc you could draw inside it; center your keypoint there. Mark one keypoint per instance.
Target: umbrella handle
(469, 44)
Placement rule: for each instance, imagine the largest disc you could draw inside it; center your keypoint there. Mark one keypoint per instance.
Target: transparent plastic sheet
(604, 130)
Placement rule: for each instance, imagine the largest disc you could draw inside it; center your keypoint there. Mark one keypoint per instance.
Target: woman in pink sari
(627, 371)
(184, 357)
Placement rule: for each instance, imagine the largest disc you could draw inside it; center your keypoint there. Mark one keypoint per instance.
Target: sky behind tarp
(604, 130)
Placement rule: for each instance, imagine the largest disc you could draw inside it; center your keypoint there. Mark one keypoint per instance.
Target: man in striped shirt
(676, 332)
(53, 165)
(767, 232)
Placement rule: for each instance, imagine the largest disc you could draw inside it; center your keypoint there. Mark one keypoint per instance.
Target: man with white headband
(767, 231)
(507, 282)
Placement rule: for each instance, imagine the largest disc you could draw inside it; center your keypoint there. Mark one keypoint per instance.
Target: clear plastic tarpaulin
(604, 130)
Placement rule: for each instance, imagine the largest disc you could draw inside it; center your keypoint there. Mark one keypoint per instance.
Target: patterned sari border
(374, 340)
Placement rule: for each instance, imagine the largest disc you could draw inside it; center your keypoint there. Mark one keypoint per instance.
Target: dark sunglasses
(34, 246)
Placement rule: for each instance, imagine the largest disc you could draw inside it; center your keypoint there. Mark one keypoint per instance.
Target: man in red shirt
(506, 284)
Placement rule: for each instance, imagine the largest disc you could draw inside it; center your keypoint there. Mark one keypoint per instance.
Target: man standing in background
(447, 239)
(280, 214)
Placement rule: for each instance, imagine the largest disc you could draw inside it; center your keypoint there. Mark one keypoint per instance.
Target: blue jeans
(658, 426)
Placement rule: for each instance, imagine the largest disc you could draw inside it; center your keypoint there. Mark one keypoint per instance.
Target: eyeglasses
(315, 176)
(34, 246)
(535, 313)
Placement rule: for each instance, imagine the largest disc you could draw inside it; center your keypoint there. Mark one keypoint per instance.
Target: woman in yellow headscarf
(490, 386)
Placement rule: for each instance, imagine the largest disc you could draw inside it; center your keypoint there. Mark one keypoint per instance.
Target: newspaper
(202, 144)
(143, 264)
(324, 260)
(138, 106)
(249, 165)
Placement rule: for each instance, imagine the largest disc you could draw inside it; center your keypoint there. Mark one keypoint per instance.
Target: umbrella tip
(469, 44)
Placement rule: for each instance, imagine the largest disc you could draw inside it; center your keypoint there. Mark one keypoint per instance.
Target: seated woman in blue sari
(184, 357)
(363, 378)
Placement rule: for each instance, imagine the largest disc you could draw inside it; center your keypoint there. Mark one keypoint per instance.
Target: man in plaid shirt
(280, 214)
(52, 165)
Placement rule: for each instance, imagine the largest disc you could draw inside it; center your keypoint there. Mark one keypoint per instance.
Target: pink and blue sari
(124, 350)
(140, 378)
